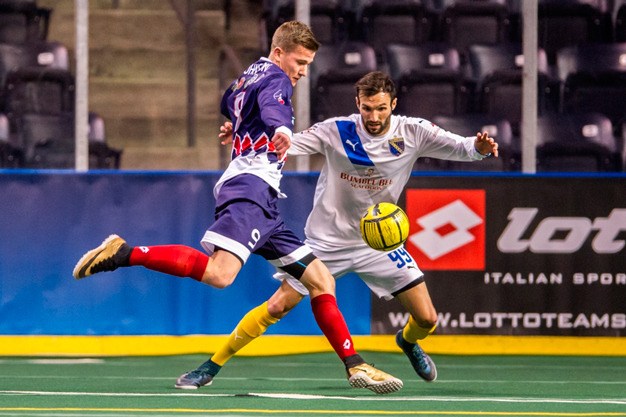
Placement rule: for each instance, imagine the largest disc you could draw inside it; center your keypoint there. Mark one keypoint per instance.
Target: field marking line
(617, 401)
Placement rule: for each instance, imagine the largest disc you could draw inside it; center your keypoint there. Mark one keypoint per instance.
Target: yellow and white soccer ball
(384, 226)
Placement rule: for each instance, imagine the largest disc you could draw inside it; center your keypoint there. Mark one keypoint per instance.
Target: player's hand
(486, 145)
(226, 133)
(281, 143)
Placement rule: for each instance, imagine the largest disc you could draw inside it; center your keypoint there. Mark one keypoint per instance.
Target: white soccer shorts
(383, 272)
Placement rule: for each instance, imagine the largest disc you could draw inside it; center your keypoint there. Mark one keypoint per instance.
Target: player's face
(376, 112)
(295, 63)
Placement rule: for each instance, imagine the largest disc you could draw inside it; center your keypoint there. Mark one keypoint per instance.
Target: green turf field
(313, 385)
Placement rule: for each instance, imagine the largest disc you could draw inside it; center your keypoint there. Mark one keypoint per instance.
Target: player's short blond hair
(293, 33)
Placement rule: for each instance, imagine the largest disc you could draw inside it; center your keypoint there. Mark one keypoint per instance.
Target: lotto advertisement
(517, 256)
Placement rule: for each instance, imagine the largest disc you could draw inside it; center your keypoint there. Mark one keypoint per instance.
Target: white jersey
(362, 169)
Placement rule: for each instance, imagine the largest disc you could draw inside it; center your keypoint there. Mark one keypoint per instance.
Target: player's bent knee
(278, 308)
(219, 280)
(428, 322)
(318, 279)
(222, 269)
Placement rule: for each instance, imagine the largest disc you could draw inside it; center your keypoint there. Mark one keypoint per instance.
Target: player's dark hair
(293, 33)
(375, 82)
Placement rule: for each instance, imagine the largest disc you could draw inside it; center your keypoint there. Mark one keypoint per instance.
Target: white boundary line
(618, 401)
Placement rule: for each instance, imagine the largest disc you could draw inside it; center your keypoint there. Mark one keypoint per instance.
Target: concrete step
(200, 157)
(120, 53)
(146, 132)
(151, 64)
(129, 4)
(150, 98)
(138, 29)
(152, 113)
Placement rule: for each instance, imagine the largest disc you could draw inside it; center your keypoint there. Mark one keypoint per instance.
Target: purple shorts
(247, 221)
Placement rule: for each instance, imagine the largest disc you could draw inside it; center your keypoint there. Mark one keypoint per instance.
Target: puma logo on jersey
(352, 144)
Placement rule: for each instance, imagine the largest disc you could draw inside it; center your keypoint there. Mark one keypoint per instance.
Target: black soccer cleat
(194, 379)
(421, 362)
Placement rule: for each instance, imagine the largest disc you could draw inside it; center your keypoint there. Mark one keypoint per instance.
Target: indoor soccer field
(313, 385)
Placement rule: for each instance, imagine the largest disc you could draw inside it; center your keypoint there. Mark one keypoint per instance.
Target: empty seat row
(37, 113)
(22, 21)
(432, 81)
(432, 84)
(582, 142)
(48, 141)
(460, 23)
(38, 104)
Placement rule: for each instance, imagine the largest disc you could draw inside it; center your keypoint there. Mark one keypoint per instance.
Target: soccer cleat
(194, 380)
(366, 376)
(422, 363)
(111, 254)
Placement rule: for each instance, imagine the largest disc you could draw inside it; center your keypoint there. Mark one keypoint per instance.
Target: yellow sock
(413, 332)
(251, 326)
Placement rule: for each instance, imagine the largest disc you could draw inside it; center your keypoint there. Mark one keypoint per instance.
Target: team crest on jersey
(238, 84)
(396, 145)
(278, 96)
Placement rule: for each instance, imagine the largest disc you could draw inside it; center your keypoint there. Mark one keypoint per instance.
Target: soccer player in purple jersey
(247, 220)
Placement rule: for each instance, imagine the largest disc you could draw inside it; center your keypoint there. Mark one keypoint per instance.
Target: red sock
(178, 260)
(333, 325)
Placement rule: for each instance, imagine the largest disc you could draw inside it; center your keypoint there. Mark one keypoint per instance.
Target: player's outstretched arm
(486, 145)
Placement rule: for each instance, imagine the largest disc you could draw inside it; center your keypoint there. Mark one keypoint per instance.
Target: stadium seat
(406, 22)
(39, 104)
(469, 22)
(47, 140)
(497, 73)
(100, 154)
(499, 129)
(333, 73)
(577, 142)
(327, 18)
(594, 79)
(429, 79)
(38, 90)
(22, 21)
(10, 157)
(35, 55)
(564, 23)
(97, 131)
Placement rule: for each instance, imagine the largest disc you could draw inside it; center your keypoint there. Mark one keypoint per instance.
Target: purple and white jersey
(258, 104)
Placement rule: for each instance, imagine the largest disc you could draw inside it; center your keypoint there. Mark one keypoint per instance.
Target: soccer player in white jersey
(368, 159)
(247, 219)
